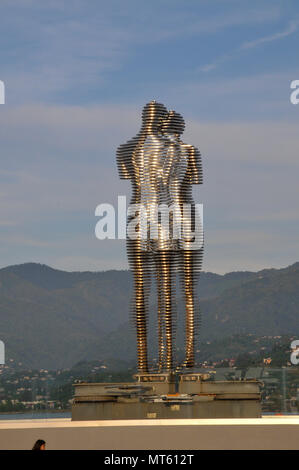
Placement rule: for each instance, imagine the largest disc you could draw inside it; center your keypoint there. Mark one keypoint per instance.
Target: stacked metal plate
(164, 233)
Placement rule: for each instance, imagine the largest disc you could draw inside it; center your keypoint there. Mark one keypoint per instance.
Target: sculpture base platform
(164, 396)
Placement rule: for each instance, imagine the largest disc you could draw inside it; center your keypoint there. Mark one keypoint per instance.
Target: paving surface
(275, 432)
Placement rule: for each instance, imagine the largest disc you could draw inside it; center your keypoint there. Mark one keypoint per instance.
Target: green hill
(53, 319)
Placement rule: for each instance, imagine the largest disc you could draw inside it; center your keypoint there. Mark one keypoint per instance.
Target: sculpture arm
(123, 164)
(194, 170)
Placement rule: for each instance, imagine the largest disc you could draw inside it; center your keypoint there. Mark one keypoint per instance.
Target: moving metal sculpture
(164, 231)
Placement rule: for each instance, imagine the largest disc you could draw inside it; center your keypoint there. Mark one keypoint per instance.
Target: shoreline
(42, 414)
(33, 412)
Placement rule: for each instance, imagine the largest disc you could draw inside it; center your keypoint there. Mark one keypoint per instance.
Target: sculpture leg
(161, 342)
(138, 261)
(189, 289)
(164, 278)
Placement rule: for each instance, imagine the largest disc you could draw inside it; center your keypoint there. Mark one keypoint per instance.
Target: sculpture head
(152, 116)
(173, 124)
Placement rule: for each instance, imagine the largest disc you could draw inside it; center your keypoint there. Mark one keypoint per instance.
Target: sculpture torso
(159, 167)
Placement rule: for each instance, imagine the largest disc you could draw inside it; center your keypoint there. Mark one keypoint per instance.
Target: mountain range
(52, 319)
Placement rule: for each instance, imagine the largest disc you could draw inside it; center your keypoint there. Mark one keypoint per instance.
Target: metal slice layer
(162, 169)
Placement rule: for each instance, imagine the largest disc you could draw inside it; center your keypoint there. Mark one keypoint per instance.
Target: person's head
(39, 445)
(173, 124)
(152, 116)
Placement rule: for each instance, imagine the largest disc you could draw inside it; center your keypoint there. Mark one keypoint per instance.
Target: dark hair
(38, 444)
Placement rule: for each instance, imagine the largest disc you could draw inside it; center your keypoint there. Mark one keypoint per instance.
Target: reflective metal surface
(162, 169)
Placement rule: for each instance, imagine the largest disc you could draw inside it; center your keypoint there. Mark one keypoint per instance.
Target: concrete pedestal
(167, 396)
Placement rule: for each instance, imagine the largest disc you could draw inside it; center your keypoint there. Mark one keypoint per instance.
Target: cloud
(275, 216)
(260, 143)
(186, 23)
(62, 165)
(262, 97)
(291, 29)
(249, 249)
(213, 65)
(91, 263)
(58, 161)
(74, 49)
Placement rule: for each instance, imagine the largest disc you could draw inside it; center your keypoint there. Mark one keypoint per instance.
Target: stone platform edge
(269, 433)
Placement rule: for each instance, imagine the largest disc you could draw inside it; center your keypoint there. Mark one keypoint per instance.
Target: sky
(77, 74)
